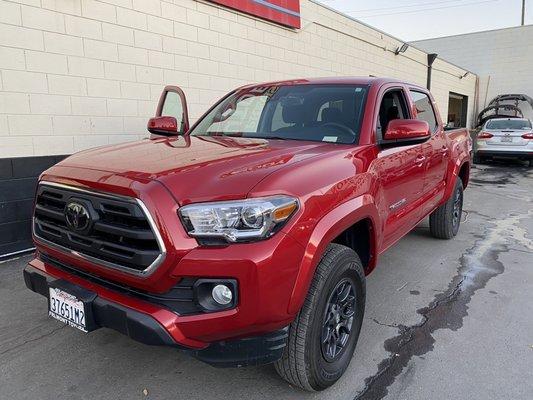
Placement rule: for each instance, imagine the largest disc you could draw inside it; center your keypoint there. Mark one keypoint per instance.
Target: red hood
(199, 168)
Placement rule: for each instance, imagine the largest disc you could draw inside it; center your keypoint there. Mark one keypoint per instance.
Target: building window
(457, 111)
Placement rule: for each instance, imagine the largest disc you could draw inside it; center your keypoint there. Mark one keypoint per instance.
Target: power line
(431, 9)
(405, 6)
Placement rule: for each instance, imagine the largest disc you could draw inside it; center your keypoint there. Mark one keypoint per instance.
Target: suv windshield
(326, 113)
(509, 124)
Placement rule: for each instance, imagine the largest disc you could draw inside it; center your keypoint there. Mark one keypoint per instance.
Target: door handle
(420, 160)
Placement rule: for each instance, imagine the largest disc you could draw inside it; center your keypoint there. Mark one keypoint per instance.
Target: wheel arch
(341, 225)
(460, 170)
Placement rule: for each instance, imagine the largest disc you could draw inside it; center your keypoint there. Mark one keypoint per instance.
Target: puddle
(477, 266)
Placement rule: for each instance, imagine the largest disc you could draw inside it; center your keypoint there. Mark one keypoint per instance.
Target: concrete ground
(444, 319)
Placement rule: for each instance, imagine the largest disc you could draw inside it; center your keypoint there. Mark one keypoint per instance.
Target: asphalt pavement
(444, 320)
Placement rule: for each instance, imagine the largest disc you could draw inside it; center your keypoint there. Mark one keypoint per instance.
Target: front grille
(119, 233)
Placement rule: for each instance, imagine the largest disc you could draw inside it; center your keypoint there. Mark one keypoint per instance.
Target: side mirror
(406, 130)
(172, 117)
(163, 126)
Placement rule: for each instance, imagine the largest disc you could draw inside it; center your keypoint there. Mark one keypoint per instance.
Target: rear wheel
(444, 221)
(323, 336)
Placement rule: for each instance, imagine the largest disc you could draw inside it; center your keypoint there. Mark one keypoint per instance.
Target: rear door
(435, 150)
(400, 169)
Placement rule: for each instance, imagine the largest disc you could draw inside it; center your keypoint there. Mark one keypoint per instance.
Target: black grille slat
(120, 233)
(50, 213)
(134, 233)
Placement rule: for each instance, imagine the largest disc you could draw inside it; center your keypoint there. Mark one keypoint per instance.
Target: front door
(401, 172)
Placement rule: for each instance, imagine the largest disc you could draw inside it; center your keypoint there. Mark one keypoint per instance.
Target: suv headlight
(238, 221)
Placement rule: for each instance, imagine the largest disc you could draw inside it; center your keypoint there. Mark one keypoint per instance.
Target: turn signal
(282, 213)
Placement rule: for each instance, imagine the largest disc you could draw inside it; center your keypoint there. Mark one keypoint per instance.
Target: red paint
(284, 12)
(407, 129)
(337, 185)
(163, 124)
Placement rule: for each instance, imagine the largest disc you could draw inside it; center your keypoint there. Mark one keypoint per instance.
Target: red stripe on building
(284, 12)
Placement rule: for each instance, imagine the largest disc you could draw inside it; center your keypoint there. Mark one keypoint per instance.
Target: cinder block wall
(81, 73)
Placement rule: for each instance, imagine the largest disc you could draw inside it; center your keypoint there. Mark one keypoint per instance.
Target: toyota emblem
(77, 216)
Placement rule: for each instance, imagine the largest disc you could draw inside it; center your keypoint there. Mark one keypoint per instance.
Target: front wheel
(323, 336)
(444, 221)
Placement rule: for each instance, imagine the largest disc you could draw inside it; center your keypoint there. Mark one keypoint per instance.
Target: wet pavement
(444, 319)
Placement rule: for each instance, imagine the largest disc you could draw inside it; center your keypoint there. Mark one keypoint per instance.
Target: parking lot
(444, 319)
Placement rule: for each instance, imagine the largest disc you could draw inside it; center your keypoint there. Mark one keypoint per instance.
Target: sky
(423, 19)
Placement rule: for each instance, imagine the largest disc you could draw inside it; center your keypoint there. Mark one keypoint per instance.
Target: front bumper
(145, 328)
(108, 314)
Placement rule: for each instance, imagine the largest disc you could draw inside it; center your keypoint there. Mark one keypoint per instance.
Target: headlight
(238, 221)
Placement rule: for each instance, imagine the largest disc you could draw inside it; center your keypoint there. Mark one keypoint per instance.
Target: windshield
(509, 124)
(324, 113)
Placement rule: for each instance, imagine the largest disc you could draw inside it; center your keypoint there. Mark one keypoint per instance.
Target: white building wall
(76, 74)
(504, 55)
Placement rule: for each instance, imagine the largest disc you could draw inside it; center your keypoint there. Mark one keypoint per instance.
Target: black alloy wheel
(338, 320)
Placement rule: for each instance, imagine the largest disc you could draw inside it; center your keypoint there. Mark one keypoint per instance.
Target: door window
(424, 109)
(393, 106)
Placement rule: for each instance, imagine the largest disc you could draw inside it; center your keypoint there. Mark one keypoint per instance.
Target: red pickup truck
(246, 238)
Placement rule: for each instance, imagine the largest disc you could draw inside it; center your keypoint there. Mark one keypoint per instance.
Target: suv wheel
(444, 221)
(323, 336)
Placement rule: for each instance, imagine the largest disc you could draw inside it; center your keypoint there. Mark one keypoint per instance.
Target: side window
(393, 106)
(241, 117)
(424, 109)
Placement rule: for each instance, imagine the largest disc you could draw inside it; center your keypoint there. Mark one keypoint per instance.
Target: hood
(195, 168)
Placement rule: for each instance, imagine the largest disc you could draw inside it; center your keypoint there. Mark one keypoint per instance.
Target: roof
(488, 31)
(336, 80)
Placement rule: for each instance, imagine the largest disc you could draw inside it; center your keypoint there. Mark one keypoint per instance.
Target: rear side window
(424, 109)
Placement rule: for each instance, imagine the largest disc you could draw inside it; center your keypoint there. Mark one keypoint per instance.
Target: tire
(305, 362)
(444, 222)
(477, 159)
(530, 163)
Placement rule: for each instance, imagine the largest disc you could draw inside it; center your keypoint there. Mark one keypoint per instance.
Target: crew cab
(246, 238)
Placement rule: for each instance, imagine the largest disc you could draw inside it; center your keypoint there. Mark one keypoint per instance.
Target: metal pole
(523, 12)
(431, 59)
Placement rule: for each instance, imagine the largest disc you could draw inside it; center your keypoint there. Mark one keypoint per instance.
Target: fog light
(222, 294)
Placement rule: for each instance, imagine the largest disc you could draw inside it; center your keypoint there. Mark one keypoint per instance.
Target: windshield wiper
(270, 137)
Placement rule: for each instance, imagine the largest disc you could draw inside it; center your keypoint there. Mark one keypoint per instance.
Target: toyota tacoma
(246, 238)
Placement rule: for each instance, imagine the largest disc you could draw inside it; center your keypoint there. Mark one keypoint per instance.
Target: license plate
(507, 139)
(67, 308)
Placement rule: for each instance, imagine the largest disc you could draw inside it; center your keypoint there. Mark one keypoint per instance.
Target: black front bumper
(257, 350)
(136, 325)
